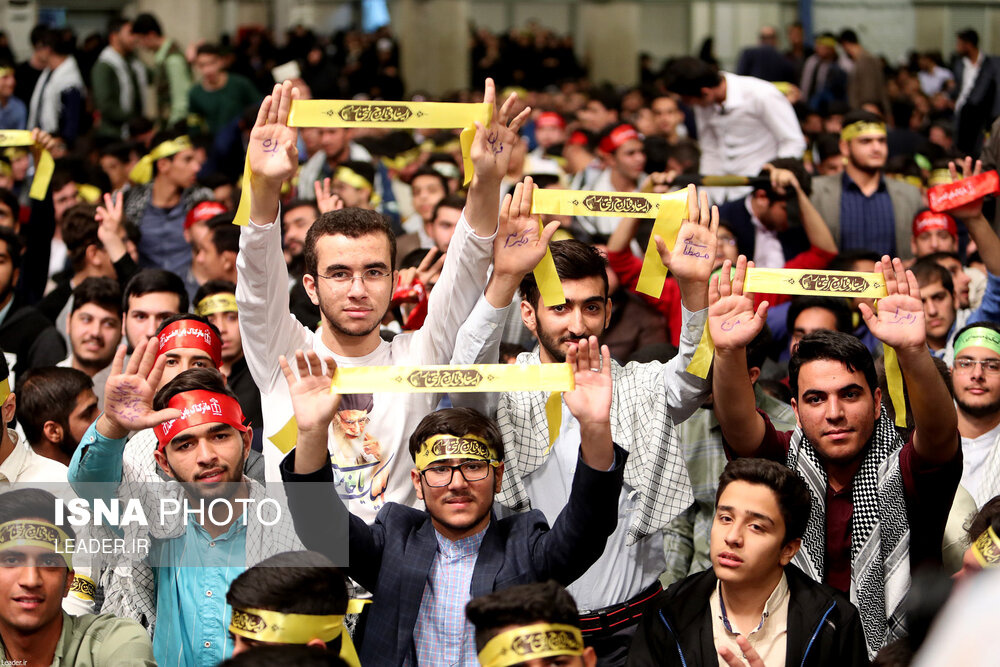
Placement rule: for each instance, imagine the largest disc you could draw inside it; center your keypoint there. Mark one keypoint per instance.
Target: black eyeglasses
(471, 471)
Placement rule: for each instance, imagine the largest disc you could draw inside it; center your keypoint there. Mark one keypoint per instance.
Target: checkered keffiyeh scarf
(880, 531)
(640, 424)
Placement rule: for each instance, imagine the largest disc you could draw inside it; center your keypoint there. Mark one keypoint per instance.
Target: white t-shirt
(25, 466)
(974, 453)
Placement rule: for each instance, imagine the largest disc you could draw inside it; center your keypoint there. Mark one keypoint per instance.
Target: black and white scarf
(880, 531)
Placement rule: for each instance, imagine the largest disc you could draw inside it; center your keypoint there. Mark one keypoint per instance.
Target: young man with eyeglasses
(349, 260)
(975, 374)
(424, 566)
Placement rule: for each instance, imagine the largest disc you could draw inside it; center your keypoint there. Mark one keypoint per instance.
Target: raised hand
(590, 402)
(128, 393)
(900, 319)
(781, 179)
(519, 244)
(110, 216)
(273, 151)
(693, 255)
(326, 200)
(42, 141)
(313, 402)
(493, 144)
(732, 320)
(659, 182)
(753, 658)
(972, 209)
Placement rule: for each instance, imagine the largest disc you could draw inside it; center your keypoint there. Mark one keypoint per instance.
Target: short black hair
(48, 394)
(209, 49)
(288, 656)
(758, 348)
(457, 421)
(205, 379)
(145, 24)
(833, 346)
(31, 504)
(522, 605)
(10, 200)
(350, 222)
(574, 260)
(454, 201)
(13, 242)
(927, 272)
(119, 150)
(607, 96)
(987, 517)
(792, 494)
(687, 76)
(39, 35)
(148, 281)
(430, 171)
(224, 234)
(299, 203)
(116, 23)
(105, 292)
(845, 260)
(211, 287)
(836, 305)
(827, 146)
(79, 229)
(969, 36)
(848, 36)
(363, 169)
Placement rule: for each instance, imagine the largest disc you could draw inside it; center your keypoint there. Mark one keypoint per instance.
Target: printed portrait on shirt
(358, 468)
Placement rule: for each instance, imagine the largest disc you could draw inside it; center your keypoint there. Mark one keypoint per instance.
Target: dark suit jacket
(982, 105)
(393, 557)
(766, 62)
(735, 213)
(824, 628)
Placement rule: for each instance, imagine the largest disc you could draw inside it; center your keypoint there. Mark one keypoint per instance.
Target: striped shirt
(867, 223)
(442, 635)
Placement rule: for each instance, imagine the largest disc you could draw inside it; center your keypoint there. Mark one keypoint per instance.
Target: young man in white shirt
(975, 374)
(349, 275)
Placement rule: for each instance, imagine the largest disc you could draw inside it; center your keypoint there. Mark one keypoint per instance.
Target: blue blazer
(392, 557)
(793, 240)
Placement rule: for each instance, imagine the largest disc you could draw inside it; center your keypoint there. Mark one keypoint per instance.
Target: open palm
(520, 245)
(590, 401)
(313, 401)
(899, 322)
(272, 151)
(732, 320)
(128, 393)
(494, 142)
(693, 256)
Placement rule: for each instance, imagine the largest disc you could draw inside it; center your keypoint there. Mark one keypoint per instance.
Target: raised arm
(733, 323)
(272, 153)
(590, 402)
(692, 258)
(812, 222)
(979, 227)
(900, 325)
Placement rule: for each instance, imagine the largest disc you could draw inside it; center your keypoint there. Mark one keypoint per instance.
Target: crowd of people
(197, 275)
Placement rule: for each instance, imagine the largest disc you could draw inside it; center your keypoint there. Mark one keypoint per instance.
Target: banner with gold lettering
(441, 379)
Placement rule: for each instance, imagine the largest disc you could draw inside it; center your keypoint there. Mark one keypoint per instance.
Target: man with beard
(150, 297)
(880, 505)
(975, 373)
(55, 406)
(349, 260)
(864, 209)
(297, 217)
(202, 444)
(541, 436)
(94, 329)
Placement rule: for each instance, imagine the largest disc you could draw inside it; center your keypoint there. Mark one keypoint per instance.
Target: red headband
(200, 407)
(550, 119)
(578, 138)
(188, 334)
(617, 137)
(929, 221)
(206, 210)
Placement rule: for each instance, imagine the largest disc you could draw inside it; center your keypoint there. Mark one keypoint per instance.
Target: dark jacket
(393, 557)
(824, 628)
(982, 105)
(30, 337)
(793, 240)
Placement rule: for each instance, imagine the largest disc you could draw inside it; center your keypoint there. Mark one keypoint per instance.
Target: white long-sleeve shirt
(270, 330)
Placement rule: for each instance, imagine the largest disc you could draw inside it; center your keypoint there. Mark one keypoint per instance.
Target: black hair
(286, 656)
(833, 346)
(363, 169)
(827, 146)
(209, 49)
(848, 36)
(574, 260)
(48, 394)
(927, 272)
(30, 503)
(145, 24)
(522, 605)
(188, 316)
(13, 242)
(225, 235)
(791, 492)
(758, 348)
(687, 76)
(292, 582)
(544, 180)
(845, 261)
(353, 223)
(119, 150)
(9, 199)
(987, 517)
(969, 36)
(205, 379)
(454, 201)
(148, 281)
(836, 305)
(429, 171)
(79, 229)
(39, 36)
(860, 116)
(457, 421)
(116, 23)
(103, 291)
(299, 203)
(607, 96)
(210, 287)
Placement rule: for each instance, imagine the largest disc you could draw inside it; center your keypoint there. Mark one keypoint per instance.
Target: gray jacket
(906, 202)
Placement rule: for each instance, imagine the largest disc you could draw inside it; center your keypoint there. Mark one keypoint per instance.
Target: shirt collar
(14, 465)
(463, 547)
(774, 601)
(849, 183)
(161, 53)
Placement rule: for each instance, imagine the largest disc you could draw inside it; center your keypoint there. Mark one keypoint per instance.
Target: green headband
(978, 337)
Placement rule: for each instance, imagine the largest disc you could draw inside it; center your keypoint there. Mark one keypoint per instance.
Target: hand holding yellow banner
(668, 210)
(44, 167)
(441, 379)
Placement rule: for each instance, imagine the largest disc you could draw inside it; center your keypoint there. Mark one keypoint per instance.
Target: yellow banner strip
(894, 380)
(701, 361)
(667, 209)
(547, 278)
(350, 113)
(438, 379)
(815, 283)
(553, 416)
(43, 170)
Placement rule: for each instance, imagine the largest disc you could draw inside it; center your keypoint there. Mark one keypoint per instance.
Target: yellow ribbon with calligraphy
(43, 169)
(668, 210)
(532, 642)
(453, 379)
(986, 548)
(275, 627)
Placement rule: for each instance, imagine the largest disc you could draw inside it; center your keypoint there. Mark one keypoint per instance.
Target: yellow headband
(35, 533)
(142, 172)
(403, 160)
(4, 389)
(44, 165)
(860, 128)
(986, 548)
(216, 303)
(274, 626)
(443, 447)
(939, 177)
(353, 178)
(827, 41)
(4, 71)
(531, 642)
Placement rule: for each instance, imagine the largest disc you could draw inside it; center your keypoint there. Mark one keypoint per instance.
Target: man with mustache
(94, 329)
